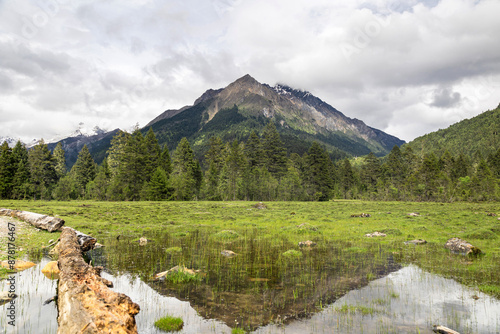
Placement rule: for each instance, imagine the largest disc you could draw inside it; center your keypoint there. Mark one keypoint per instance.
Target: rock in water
(459, 246)
(6, 296)
(19, 265)
(228, 253)
(51, 270)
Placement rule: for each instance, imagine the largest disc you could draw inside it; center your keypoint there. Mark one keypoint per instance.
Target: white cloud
(406, 67)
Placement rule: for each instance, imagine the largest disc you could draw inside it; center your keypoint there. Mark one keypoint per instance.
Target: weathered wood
(85, 303)
(444, 330)
(460, 246)
(86, 242)
(40, 221)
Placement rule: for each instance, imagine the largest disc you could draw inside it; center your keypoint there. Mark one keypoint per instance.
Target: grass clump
(292, 254)
(173, 250)
(355, 309)
(227, 235)
(238, 331)
(481, 234)
(182, 276)
(169, 323)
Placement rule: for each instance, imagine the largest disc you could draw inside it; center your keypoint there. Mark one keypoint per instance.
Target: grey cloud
(445, 98)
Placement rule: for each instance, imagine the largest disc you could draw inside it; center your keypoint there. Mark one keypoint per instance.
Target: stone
(361, 215)
(375, 234)
(414, 214)
(19, 265)
(416, 242)
(6, 296)
(228, 253)
(174, 270)
(459, 246)
(307, 243)
(51, 270)
(260, 205)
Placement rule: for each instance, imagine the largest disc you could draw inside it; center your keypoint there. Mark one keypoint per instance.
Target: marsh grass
(230, 290)
(169, 324)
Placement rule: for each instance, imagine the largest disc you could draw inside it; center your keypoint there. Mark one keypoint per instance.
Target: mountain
(98, 141)
(245, 105)
(478, 134)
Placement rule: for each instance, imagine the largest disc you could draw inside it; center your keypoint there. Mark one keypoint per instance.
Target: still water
(318, 296)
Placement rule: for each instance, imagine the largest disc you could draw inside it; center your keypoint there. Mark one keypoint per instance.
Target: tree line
(259, 169)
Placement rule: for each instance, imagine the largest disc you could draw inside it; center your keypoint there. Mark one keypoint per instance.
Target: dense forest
(258, 169)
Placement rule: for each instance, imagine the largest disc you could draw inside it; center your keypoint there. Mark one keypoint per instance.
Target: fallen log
(40, 221)
(85, 303)
(444, 330)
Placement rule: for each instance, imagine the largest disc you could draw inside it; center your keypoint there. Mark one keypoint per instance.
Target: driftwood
(85, 303)
(459, 246)
(40, 221)
(444, 330)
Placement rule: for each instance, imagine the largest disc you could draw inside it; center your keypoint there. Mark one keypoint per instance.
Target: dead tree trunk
(85, 304)
(44, 222)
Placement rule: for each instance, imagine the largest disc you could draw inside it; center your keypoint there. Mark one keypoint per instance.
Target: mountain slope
(97, 144)
(478, 134)
(246, 105)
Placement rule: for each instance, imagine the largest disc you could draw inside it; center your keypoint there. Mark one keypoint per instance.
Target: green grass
(239, 225)
(238, 331)
(169, 324)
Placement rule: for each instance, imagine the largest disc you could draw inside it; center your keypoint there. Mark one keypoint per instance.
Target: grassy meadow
(192, 234)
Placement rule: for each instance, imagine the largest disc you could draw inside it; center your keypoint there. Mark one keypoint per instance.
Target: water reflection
(257, 287)
(32, 288)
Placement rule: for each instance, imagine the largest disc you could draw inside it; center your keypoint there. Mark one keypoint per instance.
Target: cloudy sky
(405, 67)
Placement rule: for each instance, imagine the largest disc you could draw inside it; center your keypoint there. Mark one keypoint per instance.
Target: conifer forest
(258, 169)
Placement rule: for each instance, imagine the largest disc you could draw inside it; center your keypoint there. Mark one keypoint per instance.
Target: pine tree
(165, 162)
(7, 171)
(83, 171)
(319, 172)
(183, 173)
(42, 171)
(274, 151)
(152, 154)
(215, 158)
(347, 178)
(21, 187)
(254, 151)
(371, 172)
(60, 160)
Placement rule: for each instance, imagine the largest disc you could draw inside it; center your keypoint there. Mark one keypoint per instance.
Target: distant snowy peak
(81, 131)
(10, 141)
(288, 91)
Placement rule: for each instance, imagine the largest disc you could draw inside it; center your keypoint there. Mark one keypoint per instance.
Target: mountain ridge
(291, 109)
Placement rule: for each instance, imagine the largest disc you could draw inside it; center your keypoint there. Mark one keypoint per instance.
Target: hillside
(247, 105)
(478, 134)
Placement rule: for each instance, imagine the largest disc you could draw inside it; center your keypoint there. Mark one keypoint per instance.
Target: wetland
(247, 271)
